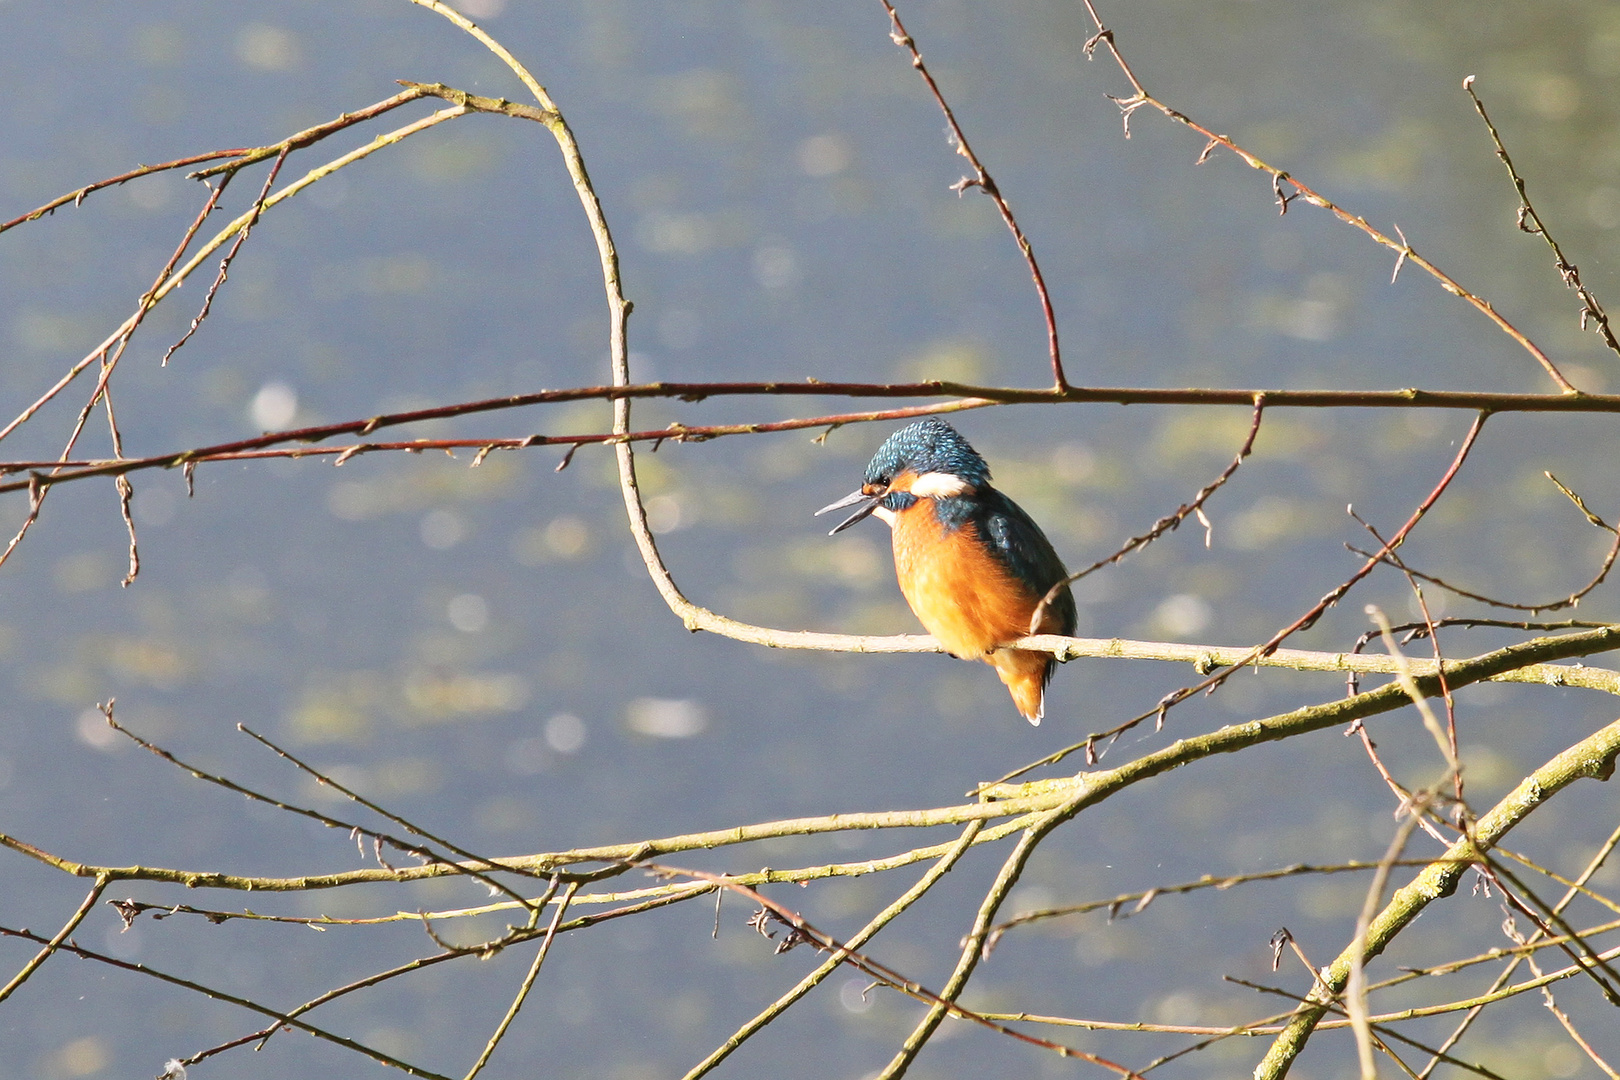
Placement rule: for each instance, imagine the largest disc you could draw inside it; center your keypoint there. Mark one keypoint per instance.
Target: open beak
(868, 503)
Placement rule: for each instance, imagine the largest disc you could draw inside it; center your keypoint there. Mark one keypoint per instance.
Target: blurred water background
(481, 649)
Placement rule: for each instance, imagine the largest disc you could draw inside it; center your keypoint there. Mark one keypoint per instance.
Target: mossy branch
(1070, 794)
(1591, 758)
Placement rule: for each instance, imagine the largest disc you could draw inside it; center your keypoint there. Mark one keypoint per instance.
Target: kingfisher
(972, 564)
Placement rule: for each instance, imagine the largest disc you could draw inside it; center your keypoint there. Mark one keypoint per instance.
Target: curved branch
(1591, 758)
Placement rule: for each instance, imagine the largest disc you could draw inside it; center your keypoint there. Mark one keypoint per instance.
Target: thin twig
(1529, 221)
(55, 943)
(77, 197)
(828, 966)
(1569, 601)
(1304, 622)
(282, 1019)
(254, 213)
(1141, 98)
(1128, 905)
(981, 179)
(477, 868)
(527, 985)
(1168, 523)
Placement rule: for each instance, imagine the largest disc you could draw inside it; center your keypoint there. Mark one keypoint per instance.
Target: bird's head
(928, 459)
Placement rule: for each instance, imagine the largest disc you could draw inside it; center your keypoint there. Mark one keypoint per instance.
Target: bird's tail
(1026, 675)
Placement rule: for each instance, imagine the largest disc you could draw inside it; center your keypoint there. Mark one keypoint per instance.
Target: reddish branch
(230, 256)
(982, 180)
(1168, 523)
(1304, 622)
(1280, 177)
(77, 197)
(801, 932)
(958, 396)
(1530, 222)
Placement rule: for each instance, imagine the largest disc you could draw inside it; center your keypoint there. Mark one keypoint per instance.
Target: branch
(828, 966)
(1592, 757)
(177, 278)
(55, 943)
(1529, 221)
(1280, 177)
(981, 180)
(958, 397)
(77, 197)
(1011, 800)
(282, 1019)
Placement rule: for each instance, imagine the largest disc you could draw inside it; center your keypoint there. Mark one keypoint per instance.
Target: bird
(971, 563)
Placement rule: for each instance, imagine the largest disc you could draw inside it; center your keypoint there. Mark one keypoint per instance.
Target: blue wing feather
(1017, 543)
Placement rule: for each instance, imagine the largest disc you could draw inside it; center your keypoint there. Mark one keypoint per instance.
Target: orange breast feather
(970, 602)
(962, 595)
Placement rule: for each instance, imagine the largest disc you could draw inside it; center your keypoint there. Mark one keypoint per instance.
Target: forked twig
(802, 932)
(1141, 98)
(1304, 622)
(981, 179)
(1529, 221)
(1168, 523)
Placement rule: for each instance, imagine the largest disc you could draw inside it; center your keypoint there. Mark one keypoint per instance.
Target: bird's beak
(869, 504)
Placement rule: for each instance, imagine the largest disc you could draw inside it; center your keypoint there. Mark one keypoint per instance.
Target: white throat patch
(939, 485)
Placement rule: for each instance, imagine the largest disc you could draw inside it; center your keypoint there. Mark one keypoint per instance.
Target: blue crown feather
(929, 445)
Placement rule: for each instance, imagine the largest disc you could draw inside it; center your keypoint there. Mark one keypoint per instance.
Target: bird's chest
(958, 589)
